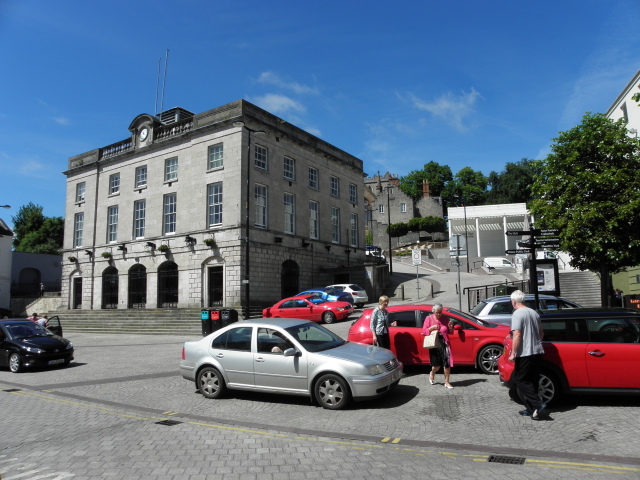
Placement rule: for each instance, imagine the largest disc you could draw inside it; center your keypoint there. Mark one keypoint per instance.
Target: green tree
(513, 184)
(437, 175)
(398, 229)
(589, 188)
(35, 233)
(427, 224)
(467, 186)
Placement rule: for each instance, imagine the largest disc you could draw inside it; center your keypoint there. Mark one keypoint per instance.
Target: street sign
(545, 240)
(416, 257)
(456, 264)
(548, 232)
(515, 233)
(518, 251)
(548, 245)
(544, 232)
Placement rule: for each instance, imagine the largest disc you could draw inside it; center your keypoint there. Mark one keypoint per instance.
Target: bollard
(402, 289)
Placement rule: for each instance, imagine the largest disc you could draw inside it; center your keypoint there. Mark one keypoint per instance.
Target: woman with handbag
(439, 356)
(379, 324)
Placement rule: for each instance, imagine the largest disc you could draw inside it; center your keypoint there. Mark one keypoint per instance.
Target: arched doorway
(289, 278)
(215, 283)
(137, 291)
(110, 288)
(168, 285)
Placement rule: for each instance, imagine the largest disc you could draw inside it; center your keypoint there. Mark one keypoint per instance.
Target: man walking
(526, 352)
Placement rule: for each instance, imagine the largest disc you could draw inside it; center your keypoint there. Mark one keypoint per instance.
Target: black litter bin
(210, 318)
(228, 316)
(505, 289)
(216, 324)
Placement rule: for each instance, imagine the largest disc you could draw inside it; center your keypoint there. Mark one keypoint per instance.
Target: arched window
(137, 286)
(168, 285)
(110, 288)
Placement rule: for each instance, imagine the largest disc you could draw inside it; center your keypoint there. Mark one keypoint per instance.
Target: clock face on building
(144, 133)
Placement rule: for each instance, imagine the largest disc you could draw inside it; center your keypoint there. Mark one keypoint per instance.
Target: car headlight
(375, 370)
(33, 350)
(69, 346)
(340, 309)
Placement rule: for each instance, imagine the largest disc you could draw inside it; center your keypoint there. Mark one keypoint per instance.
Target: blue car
(329, 294)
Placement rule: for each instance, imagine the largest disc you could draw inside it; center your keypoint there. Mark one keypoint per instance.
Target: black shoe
(524, 413)
(538, 412)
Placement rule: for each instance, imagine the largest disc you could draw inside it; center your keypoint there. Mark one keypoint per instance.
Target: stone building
(229, 207)
(385, 201)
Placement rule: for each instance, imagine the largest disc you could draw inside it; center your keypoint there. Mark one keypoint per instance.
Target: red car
(309, 307)
(586, 351)
(473, 341)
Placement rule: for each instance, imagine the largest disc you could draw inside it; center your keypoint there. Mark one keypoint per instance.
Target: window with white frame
(381, 208)
(313, 220)
(112, 224)
(114, 184)
(313, 178)
(353, 193)
(141, 177)
(335, 186)
(81, 189)
(261, 206)
(403, 207)
(335, 225)
(215, 156)
(139, 218)
(214, 204)
(289, 169)
(353, 226)
(261, 159)
(78, 227)
(171, 169)
(169, 213)
(289, 213)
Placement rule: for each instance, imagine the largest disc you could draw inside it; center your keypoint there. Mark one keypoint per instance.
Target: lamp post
(5, 206)
(247, 308)
(389, 228)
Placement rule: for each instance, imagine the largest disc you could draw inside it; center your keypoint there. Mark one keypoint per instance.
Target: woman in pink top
(441, 356)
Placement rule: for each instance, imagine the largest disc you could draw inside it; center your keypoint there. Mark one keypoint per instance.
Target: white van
(497, 262)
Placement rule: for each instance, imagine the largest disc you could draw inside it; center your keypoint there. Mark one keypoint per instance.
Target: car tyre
(328, 317)
(210, 383)
(549, 389)
(332, 392)
(360, 305)
(488, 358)
(15, 363)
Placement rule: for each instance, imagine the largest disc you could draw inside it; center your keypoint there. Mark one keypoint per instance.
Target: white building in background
(6, 241)
(178, 213)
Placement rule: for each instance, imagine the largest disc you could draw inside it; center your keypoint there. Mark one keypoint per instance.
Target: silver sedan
(289, 356)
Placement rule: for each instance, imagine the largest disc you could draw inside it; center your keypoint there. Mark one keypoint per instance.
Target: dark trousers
(383, 340)
(527, 380)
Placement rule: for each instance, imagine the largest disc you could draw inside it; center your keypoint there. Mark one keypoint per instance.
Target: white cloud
(64, 121)
(275, 103)
(274, 79)
(31, 168)
(451, 108)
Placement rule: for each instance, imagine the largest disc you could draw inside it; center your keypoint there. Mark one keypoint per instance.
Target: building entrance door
(76, 301)
(216, 287)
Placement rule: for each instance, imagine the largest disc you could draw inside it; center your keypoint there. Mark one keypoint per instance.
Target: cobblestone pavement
(99, 418)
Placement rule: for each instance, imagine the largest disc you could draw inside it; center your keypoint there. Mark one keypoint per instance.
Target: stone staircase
(580, 287)
(175, 321)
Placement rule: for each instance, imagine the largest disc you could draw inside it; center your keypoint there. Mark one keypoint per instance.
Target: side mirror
(290, 352)
(457, 327)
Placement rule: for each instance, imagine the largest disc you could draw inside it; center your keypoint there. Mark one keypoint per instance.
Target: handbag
(432, 340)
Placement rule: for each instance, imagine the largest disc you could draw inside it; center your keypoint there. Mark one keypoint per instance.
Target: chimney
(425, 189)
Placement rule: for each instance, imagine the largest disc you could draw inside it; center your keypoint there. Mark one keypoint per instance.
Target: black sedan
(24, 344)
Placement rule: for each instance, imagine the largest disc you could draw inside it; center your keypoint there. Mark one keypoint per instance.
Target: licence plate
(55, 362)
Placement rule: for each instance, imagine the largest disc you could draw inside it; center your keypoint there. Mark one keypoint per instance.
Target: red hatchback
(473, 342)
(309, 307)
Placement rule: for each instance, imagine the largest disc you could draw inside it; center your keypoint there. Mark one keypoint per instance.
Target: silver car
(360, 296)
(289, 356)
(499, 309)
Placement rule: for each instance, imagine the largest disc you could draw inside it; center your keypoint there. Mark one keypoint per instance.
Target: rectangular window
(214, 204)
(78, 226)
(112, 224)
(403, 207)
(215, 156)
(171, 169)
(261, 206)
(80, 191)
(139, 217)
(313, 178)
(114, 184)
(141, 177)
(335, 225)
(353, 193)
(261, 160)
(335, 186)
(381, 208)
(353, 227)
(169, 212)
(313, 220)
(289, 168)
(289, 213)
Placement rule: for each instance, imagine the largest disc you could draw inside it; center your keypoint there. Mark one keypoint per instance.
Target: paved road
(121, 410)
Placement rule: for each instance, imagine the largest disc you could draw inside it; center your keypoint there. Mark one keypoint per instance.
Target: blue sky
(397, 84)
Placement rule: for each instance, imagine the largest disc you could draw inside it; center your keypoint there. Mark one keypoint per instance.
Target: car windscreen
(25, 330)
(478, 308)
(356, 288)
(471, 318)
(315, 338)
(317, 300)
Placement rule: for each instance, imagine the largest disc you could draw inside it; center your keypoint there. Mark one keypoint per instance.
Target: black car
(24, 344)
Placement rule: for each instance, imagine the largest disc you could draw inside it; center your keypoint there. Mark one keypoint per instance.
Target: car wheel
(15, 363)
(549, 389)
(360, 305)
(328, 317)
(210, 383)
(488, 358)
(332, 392)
